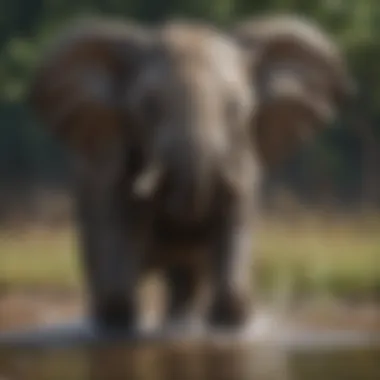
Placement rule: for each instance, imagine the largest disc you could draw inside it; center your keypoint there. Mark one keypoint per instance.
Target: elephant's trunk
(190, 177)
(188, 148)
(184, 170)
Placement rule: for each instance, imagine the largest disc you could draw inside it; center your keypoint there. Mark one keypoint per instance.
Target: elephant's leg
(184, 285)
(112, 250)
(186, 294)
(231, 267)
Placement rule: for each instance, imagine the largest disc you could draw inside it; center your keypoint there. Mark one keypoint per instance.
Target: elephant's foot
(113, 315)
(229, 311)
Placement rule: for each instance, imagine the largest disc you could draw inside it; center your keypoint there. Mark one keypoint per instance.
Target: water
(269, 350)
(73, 353)
(176, 362)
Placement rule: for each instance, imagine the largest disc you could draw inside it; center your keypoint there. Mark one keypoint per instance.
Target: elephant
(169, 130)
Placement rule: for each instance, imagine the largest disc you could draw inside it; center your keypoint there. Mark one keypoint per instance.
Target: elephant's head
(191, 101)
(180, 95)
(301, 80)
(185, 97)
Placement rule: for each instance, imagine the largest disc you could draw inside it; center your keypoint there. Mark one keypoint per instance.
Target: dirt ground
(24, 309)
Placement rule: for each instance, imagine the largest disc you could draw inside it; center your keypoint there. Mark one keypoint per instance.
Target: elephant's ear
(300, 78)
(77, 89)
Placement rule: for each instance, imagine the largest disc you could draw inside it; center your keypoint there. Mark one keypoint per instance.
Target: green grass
(321, 255)
(311, 254)
(42, 258)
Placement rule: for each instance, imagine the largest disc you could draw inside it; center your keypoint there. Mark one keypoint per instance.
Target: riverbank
(27, 309)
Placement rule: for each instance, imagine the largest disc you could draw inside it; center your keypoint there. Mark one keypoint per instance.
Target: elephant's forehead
(203, 50)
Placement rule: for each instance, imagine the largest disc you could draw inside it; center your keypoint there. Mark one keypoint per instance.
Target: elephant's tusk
(146, 183)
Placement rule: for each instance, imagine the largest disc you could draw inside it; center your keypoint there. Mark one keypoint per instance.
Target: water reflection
(189, 362)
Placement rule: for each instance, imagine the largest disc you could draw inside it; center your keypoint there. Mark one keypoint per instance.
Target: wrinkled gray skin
(162, 128)
(301, 79)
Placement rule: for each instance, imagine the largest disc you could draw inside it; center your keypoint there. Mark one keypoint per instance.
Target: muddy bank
(25, 308)
(30, 308)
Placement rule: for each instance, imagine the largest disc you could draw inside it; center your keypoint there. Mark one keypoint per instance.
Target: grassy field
(323, 255)
(312, 254)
